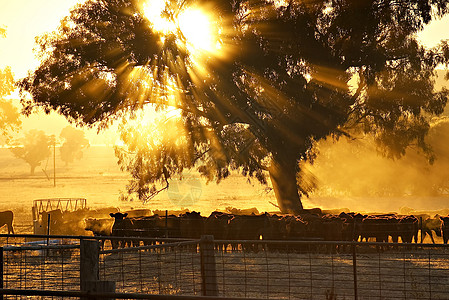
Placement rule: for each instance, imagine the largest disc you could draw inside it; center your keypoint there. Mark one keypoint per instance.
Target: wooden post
(166, 223)
(99, 287)
(90, 269)
(354, 269)
(1, 271)
(209, 285)
(89, 262)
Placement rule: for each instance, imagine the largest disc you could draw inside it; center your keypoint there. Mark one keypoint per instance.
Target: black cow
(408, 229)
(246, 227)
(6, 218)
(445, 228)
(217, 225)
(123, 227)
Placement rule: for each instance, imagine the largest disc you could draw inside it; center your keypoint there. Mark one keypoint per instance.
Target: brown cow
(6, 218)
(99, 227)
(428, 225)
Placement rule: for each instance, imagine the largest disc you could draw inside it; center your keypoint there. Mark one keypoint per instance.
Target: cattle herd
(310, 225)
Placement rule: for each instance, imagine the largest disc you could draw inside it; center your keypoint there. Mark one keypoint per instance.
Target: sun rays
(192, 26)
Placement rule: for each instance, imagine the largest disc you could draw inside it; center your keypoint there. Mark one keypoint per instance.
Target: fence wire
(287, 270)
(245, 269)
(173, 268)
(319, 270)
(40, 264)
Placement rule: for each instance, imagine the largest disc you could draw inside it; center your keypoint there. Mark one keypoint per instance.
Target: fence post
(89, 262)
(421, 228)
(354, 268)
(209, 285)
(1, 271)
(90, 268)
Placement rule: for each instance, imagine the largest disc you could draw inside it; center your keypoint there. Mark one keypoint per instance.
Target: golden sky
(26, 19)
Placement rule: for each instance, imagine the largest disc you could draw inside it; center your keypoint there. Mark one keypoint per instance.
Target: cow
(123, 227)
(376, 227)
(408, 229)
(217, 225)
(242, 212)
(191, 225)
(6, 218)
(428, 225)
(295, 229)
(445, 228)
(99, 227)
(246, 227)
(275, 228)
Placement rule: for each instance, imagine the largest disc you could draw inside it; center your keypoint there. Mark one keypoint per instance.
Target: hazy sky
(26, 19)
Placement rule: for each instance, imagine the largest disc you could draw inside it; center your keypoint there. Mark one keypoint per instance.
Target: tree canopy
(9, 115)
(33, 148)
(74, 144)
(284, 75)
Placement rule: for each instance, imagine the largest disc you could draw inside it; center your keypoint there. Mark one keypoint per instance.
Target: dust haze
(352, 173)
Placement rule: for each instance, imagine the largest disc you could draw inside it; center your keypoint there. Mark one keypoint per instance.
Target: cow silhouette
(6, 218)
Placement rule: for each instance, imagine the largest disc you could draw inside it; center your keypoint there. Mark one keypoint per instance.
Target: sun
(197, 32)
(197, 29)
(193, 27)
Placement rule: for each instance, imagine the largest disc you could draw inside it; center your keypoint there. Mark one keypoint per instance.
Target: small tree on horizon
(74, 144)
(33, 148)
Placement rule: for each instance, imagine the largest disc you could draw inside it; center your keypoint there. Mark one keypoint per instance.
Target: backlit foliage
(280, 78)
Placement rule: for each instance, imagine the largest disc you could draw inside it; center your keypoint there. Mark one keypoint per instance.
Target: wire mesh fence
(171, 268)
(230, 268)
(33, 262)
(286, 270)
(319, 270)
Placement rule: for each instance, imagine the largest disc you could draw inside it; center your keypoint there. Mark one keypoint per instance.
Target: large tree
(284, 74)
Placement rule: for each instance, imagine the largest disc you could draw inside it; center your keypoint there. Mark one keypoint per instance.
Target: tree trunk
(283, 179)
(32, 170)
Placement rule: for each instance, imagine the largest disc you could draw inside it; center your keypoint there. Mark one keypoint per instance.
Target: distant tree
(286, 74)
(74, 144)
(9, 115)
(33, 148)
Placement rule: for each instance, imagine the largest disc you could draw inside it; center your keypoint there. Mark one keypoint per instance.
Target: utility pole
(54, 162)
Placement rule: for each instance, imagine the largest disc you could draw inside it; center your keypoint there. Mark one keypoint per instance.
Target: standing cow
(6, 218)
(122, 227)
(445, 228)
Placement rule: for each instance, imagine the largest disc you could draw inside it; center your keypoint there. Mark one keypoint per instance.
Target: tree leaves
(285, 83)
